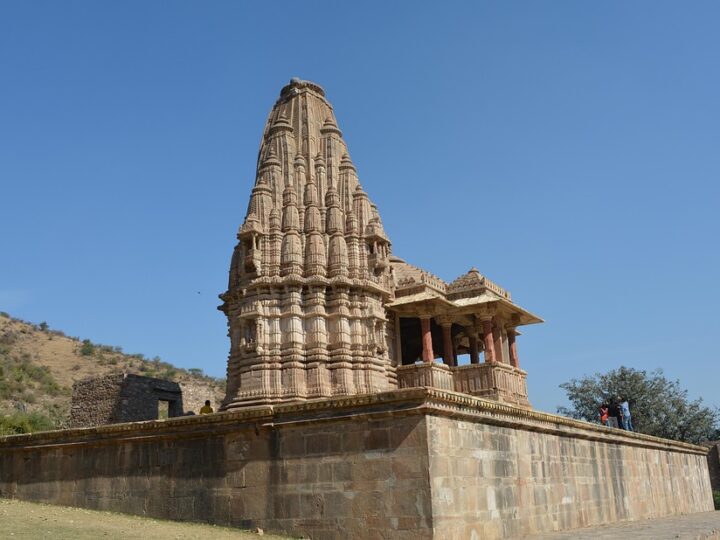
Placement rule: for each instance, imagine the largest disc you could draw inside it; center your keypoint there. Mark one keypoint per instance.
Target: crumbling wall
(195, 393)
(120, 398)
(140, 395)
(94, 400)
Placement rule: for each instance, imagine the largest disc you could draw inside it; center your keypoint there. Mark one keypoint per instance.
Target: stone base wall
(416, 463)
(497, 482)
(714, 464)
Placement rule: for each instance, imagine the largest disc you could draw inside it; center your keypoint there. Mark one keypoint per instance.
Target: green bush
(87, 348)
(20, 376)
(20, 422)
(716, 497)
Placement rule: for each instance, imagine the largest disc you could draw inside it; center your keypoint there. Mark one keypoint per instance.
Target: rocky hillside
(38, 366)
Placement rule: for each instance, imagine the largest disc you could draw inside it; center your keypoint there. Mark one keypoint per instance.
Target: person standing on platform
(613, 415)
(604, 414)
(626, 417)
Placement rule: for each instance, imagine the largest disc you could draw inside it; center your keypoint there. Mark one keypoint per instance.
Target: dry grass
(25, 520)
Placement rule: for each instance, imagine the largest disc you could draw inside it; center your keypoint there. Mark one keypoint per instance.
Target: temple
(318, 306)
(366, 398)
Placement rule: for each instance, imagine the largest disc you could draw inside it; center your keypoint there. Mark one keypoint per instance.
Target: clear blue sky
(569, 150)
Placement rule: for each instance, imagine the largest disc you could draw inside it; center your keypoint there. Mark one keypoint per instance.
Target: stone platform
(413, 463)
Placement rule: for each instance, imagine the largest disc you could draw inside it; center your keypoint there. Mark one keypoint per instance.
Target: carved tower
(311, 273)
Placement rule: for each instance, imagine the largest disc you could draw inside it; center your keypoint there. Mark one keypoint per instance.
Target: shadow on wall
(226, 474)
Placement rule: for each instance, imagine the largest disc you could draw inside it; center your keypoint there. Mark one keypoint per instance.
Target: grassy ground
(19, 519)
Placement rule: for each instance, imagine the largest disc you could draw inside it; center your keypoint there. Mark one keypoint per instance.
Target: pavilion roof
(417, 289)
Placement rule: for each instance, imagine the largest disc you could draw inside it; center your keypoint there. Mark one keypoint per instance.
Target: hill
(39, 365)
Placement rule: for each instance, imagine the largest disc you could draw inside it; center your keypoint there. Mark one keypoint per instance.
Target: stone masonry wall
(492, 481)
(195, 393)
(121, 398)
(341, 479)
(714, 464)
(94, 400)
(409, 464)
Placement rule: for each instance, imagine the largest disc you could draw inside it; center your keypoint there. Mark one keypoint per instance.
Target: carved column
(398, 342)
(474, 355)
(488, 340)
(427, 350)
(514, 361)
(448, 352)
(498, 343)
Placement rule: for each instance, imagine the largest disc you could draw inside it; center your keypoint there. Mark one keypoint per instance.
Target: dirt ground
(19, 519)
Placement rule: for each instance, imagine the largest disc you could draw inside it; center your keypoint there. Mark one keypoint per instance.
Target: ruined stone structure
(317, 306)
(122, 397)
(195, 392)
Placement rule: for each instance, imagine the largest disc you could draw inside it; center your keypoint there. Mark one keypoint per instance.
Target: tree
(658, 406)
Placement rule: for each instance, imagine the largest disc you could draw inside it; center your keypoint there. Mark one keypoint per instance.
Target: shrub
(43, 326)
(196, 371)
(20, 422)
(87, 348)
(8, 338)
(4, 314)
(168, 372)
(716, 497)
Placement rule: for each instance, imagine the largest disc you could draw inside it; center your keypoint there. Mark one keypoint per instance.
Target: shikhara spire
(317, 305)
(305, 302)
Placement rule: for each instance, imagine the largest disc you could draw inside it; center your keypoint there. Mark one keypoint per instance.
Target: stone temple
(318, 306)
(338, 422)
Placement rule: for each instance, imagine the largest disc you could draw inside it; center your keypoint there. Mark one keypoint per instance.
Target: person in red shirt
(603, 414)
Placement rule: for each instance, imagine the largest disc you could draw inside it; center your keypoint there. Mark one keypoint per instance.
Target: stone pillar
(448, 352)
(488, 339)
(427, 351)
(498, 344)
(398, 342)
(474, 355)
(514, 361)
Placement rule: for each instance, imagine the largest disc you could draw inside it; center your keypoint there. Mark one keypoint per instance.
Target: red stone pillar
(497, 337)
(448, 352)
(474, 355)
(488, 339)
(514, 362)
(427, 352)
